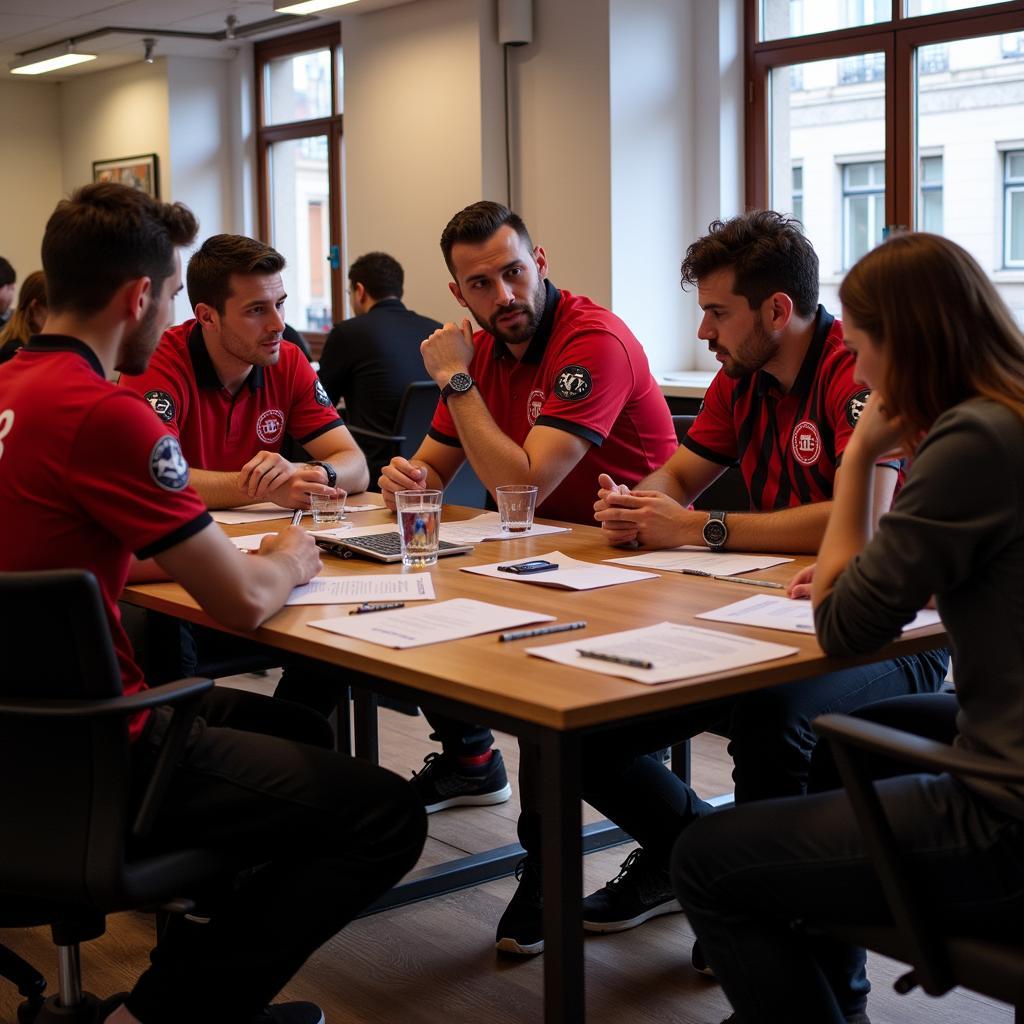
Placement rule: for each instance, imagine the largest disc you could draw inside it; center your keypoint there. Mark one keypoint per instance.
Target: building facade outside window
(1013, 206)
(929, 198)
(863, 209)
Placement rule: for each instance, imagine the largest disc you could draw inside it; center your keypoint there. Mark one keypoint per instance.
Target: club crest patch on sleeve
(320, 394)
(167, 465)
(163, 404)
(573, 383)
(855, 406)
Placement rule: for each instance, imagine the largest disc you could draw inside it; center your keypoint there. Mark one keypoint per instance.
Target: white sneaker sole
(508, 945)
(499, 796)
(602, 927)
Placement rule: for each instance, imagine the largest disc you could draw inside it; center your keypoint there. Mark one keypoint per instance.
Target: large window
(899, 113)
(298, 85)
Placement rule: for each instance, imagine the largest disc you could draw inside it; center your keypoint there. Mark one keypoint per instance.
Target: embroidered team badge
(162, 403)
(806, 443)
(320, 394)
(855, 406)
(533, 405)
(167, 466)
(573, 383)
(270, 425)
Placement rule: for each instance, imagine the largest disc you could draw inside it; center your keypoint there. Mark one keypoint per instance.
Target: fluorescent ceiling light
(307, 6)
(53, 58)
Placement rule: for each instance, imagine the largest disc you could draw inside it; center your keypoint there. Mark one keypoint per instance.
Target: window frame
(1011, 186)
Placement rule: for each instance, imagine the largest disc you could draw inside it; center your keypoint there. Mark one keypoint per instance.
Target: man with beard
(254, 779)
(551, 391)
(230, 390)
(783, 407)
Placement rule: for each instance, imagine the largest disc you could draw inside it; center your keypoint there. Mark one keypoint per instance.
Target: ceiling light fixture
(53, 58)
(147, 50)
(307, 6)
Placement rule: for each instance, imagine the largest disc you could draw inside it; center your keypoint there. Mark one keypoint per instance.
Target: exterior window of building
(1013, 217)
(1013, 46)
(865, 67)
(929, 208)
(863, 209)
(798, 192)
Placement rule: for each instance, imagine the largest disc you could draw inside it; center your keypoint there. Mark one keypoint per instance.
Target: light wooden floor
(435, 961)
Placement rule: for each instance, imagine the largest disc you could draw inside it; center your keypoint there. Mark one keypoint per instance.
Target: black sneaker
(290, 1013)
(637, 893)
(521, 928)
(443, 782)
(699, 962)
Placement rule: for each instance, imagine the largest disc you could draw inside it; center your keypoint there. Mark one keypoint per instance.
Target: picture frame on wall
(139, 172)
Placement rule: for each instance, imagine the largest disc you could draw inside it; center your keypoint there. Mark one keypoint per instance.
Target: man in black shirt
(370, 359)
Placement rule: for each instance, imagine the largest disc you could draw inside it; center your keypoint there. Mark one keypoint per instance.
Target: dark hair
(768, 253)
(220, 256)
(477, 223)
(380, 274)
(947, 332)
(7, 274)
(19, 327)
(106, 235)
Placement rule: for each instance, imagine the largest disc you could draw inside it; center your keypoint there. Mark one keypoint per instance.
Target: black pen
(384, 606)
(617, 659)
(522, 634)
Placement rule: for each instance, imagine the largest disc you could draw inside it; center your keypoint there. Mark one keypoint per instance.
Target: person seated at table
(231, 391)
(936, 342)
(28, 317)
(783, 406)
(551, 390)
(95, 477)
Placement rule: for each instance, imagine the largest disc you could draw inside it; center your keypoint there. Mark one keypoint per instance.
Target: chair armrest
(915, 750)
(376, 435)
(167, 693)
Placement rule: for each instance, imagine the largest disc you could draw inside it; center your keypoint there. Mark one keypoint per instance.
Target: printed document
(357, 589)
(488, 527)
(267, 510)
(792, 616)
(571, 573)
(714, 563)
(674, 652)
(431, 624)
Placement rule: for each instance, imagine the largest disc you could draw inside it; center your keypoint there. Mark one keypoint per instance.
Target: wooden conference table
(549, 705)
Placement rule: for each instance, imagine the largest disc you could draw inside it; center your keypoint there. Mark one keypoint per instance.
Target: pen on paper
(617, 659)
(384, 606)
(734, 579)
(297, 517)
(522, 634)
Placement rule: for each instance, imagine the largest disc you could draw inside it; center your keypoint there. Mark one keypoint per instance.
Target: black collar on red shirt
(823, 321)
(202, 364)
(535, 350)
(64, 343)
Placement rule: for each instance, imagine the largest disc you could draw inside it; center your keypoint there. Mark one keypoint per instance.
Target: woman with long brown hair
(945, 360)
(28, 317)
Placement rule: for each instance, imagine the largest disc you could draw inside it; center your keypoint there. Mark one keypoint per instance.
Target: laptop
(381, 547)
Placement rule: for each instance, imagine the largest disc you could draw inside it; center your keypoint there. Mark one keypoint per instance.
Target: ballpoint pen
(384, 606)
(734, 579)
(617, 659)
(522, 634)
(297, 517)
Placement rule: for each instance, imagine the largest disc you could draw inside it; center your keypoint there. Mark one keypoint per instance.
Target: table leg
(562, 868)
(364, 707)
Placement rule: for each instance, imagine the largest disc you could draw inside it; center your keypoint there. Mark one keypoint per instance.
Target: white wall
(30, 170)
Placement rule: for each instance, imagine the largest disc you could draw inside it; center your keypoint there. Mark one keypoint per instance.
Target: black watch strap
(458, 384)
(332, 473)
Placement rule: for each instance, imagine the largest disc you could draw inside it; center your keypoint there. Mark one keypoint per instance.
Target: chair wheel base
(51, 1012)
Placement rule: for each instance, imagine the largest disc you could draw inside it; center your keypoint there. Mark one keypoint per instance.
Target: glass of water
(516, 503)
(328, 509)
(419, 525)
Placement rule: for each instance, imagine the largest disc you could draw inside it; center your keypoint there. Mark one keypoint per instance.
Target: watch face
(460, 382)
(715, 533)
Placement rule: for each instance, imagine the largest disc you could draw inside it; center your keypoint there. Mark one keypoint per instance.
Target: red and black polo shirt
(220, 431)
(583, 372)
(787, 444)
(89, 478)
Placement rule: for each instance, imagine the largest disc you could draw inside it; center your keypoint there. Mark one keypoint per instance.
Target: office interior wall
(30, 171)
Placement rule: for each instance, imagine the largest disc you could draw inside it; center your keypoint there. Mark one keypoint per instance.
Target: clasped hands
(269, 476)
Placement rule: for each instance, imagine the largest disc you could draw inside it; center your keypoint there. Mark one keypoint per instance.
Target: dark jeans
(771, 741)
(459, 739)
(752, 877)
(327, 835)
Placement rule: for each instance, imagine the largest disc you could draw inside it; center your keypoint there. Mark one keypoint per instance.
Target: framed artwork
(137, 171)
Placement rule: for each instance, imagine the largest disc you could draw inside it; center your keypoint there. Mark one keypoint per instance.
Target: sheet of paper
(431, 624)
(250, 542)
(571, 574)
(416, 586)
(676, 652)
(367, 507)
(718, 563)
(770, 612)
(488, 527)
(250, 513)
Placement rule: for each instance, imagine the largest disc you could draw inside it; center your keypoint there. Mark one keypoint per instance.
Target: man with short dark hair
(325, 834)
(8, 278)
(370, 359)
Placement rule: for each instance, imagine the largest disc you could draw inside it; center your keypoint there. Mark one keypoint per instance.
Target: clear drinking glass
(328, 509)
(516, 504)
(419, 525)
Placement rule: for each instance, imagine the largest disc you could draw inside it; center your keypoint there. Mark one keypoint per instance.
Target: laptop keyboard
(387, 543)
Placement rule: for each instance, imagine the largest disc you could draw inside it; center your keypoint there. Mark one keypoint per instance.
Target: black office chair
(940, 958)
(415, 412)
(729, 492)
(74, 819)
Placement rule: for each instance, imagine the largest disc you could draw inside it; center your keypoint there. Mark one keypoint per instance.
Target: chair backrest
(63, 783)
(729, 492)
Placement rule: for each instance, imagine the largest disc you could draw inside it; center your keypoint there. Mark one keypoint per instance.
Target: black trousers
(325, 835)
